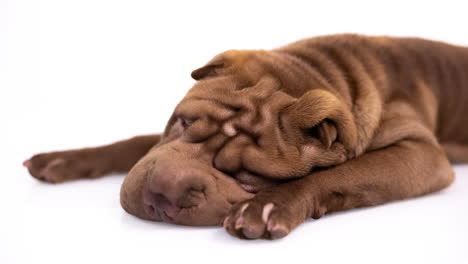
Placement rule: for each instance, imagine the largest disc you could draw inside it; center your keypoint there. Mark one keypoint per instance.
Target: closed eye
(185, 122)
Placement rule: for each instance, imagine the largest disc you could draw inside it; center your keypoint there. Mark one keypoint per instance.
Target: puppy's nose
(159, 207)
(167, 194)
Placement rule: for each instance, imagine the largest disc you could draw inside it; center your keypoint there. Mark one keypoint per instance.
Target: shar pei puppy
(266, 139)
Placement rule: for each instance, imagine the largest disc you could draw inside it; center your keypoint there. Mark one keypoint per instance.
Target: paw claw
(27, 164)
(240, 220)
(243, 208)
(267, 211)
(226, 222)
(239, 223)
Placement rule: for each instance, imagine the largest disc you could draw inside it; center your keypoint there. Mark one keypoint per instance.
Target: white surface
(83, 73)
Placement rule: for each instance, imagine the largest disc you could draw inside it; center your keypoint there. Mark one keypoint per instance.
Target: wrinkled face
(225, 141)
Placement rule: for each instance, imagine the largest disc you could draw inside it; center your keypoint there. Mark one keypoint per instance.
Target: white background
(88, 72)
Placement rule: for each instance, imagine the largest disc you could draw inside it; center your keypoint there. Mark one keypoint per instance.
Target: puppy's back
(432, 76)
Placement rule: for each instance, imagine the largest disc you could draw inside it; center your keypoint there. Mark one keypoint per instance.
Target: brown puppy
(266, 139)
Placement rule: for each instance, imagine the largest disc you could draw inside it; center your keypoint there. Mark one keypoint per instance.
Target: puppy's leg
(90, 162)
(457, 153)
(406, 169)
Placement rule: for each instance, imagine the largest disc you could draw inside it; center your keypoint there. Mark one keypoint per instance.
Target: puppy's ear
(208, 70)
(223, 63)
(328, 116)
(327, 133)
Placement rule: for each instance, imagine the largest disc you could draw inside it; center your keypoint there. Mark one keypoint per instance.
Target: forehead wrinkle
(266, 111)
(288, 69)
(253, 99)
(212, 108)
(227, 98)
(214, 84)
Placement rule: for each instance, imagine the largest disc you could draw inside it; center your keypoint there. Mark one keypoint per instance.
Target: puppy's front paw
(255, 219)
(56, 167)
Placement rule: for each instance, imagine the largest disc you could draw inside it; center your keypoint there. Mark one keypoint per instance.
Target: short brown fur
(266, 139)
